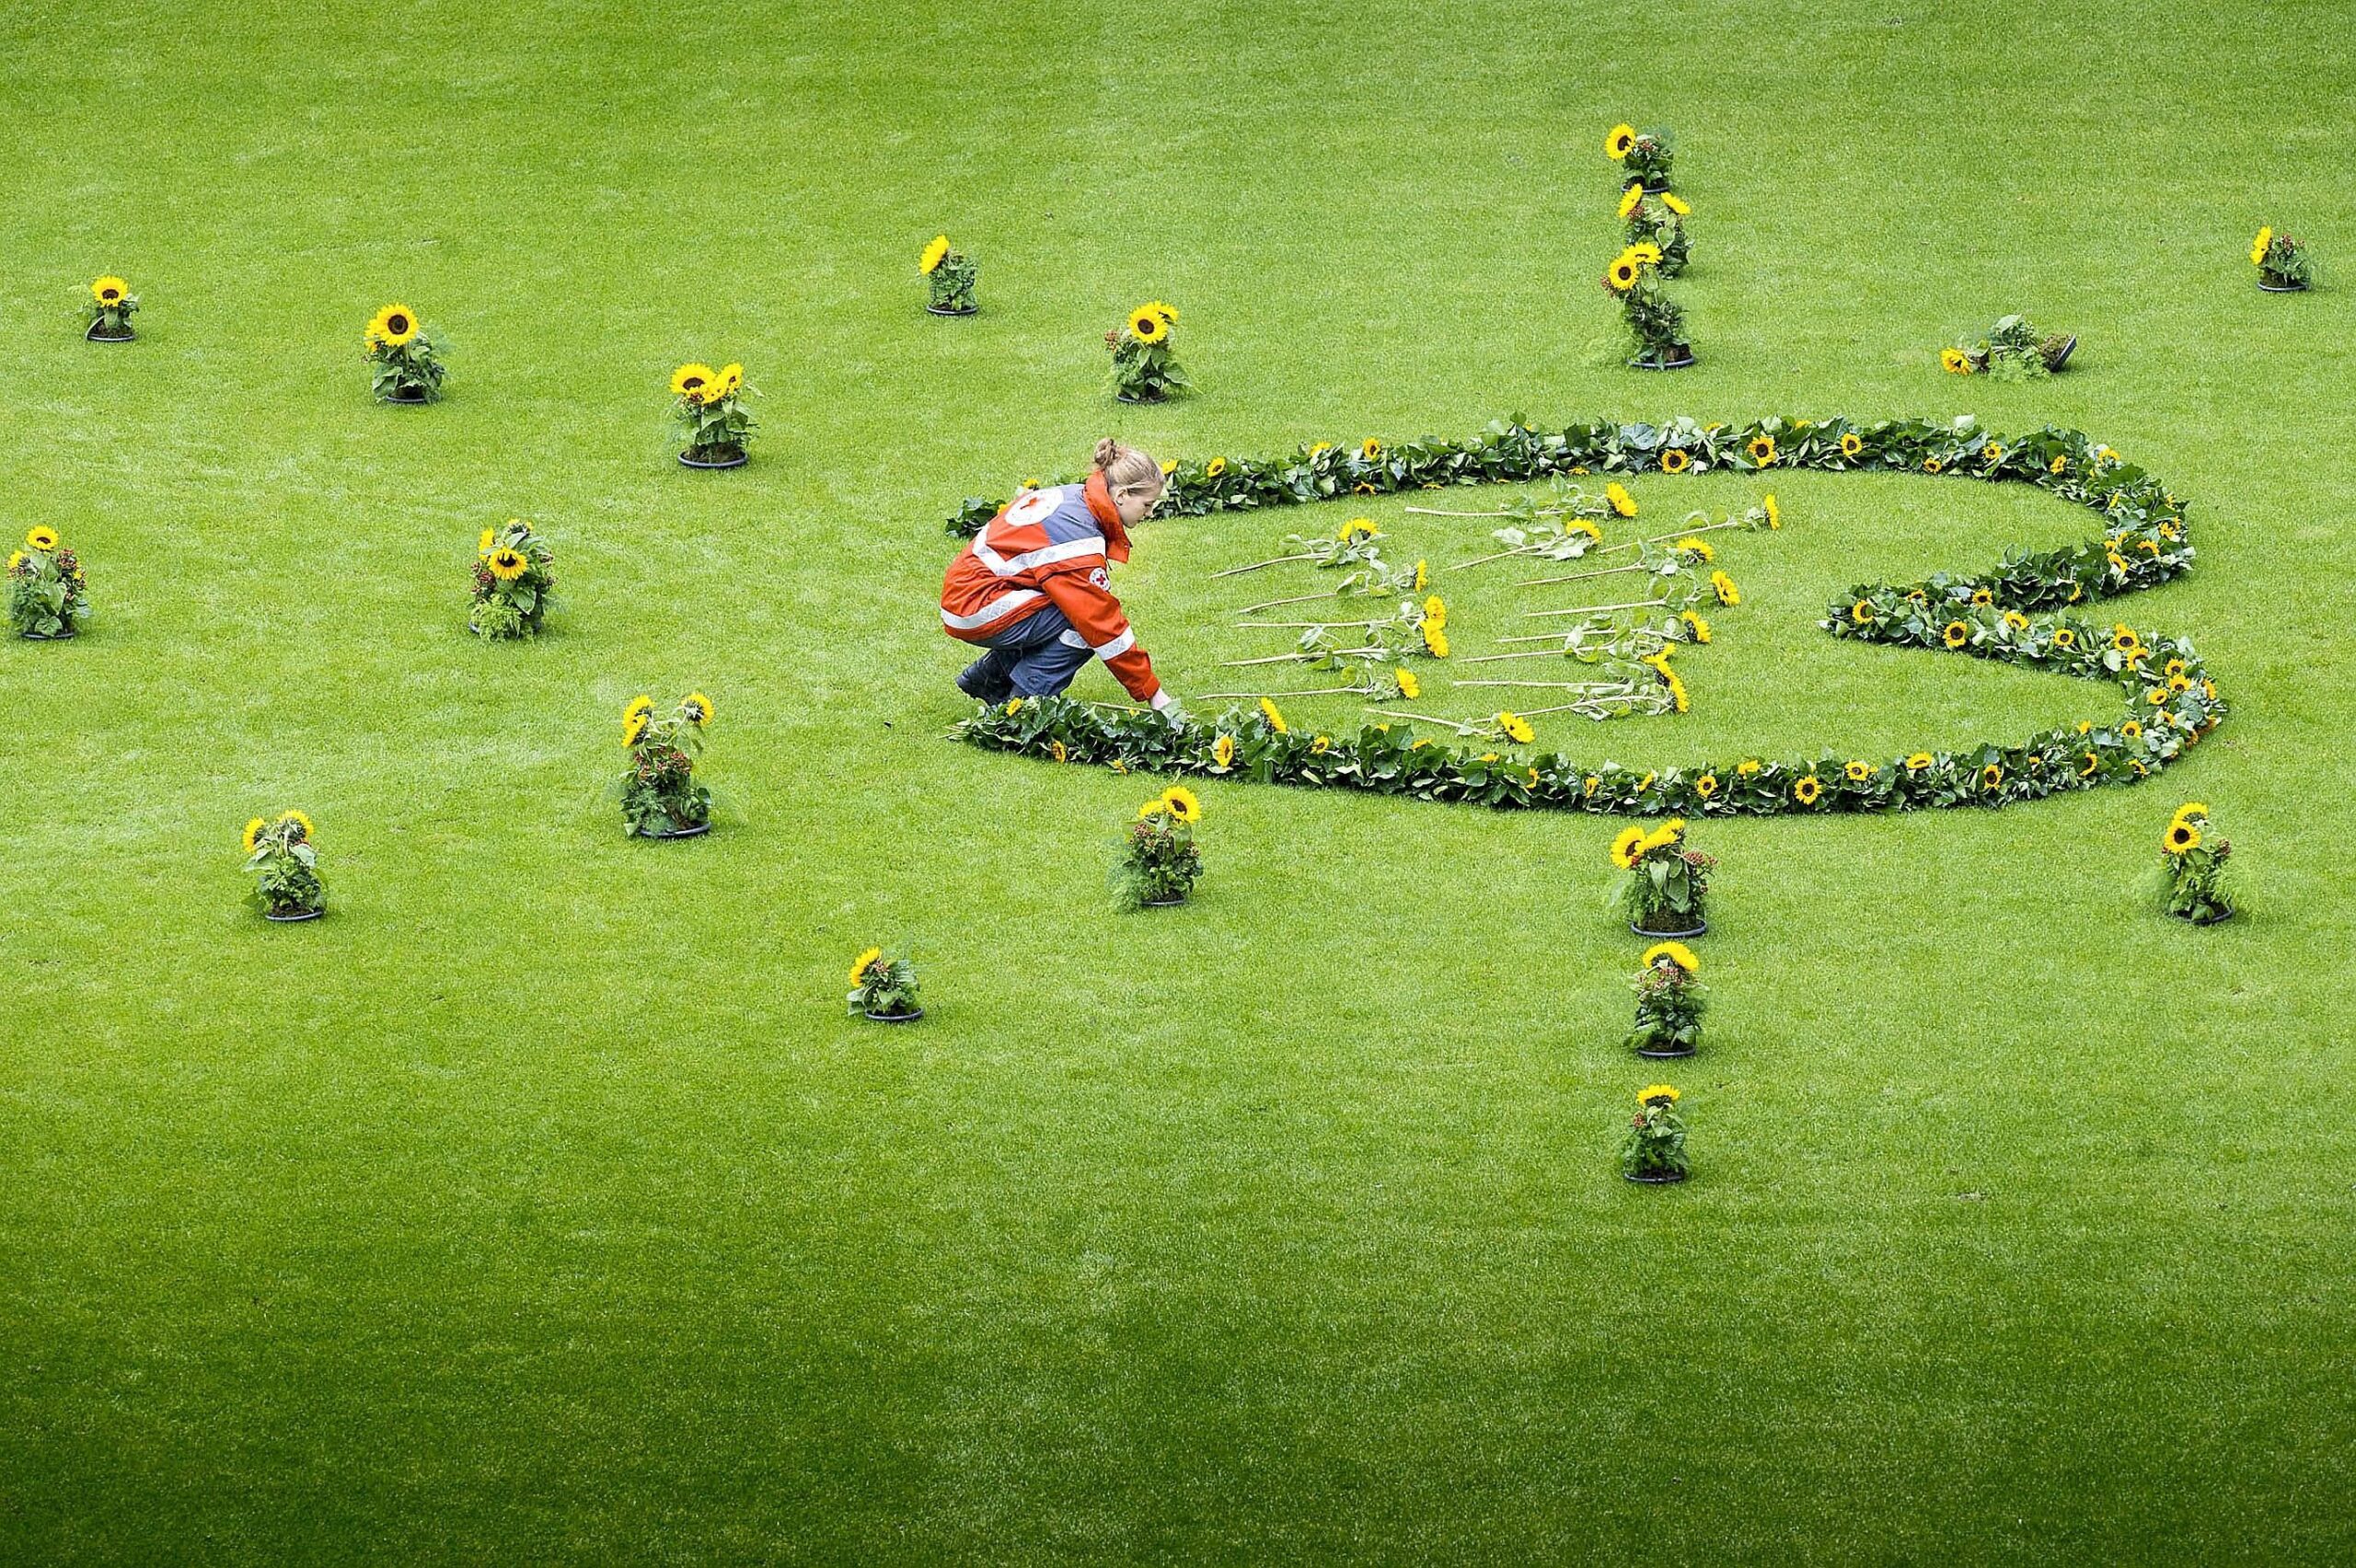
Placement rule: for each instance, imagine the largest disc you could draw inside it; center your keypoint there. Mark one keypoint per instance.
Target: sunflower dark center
(397, 323)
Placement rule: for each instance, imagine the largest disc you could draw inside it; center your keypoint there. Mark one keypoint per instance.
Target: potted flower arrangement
(884, 988)
(1657, 221)
(1656, 321)
(1669, 1002)
(2282, 262)
(1653, 1148)
(661, 796)
(2013, 350)
(1145, 369)
(2192, 865)
(515, 582)
(112, 303)
(1159, 859)
(286, 869)
(1644, 157)
(1664, 882)
(714, 425)
(949, 275)
(48, 595)
(407, 357)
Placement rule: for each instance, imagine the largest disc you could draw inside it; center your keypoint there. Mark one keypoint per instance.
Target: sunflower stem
(1295, 599)
(1429, 719)
(1482, 560)
(1598, 610)
(1253, 696)
(1273, 560)
(1583, 576)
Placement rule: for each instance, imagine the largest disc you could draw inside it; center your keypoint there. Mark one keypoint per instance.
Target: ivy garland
(2018, 612)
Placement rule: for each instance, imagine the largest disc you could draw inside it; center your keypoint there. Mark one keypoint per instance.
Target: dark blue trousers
(1038, 656)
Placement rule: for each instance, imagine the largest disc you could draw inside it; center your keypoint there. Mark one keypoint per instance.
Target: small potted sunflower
(660, 794)
(48, 594)
(1664, 884)
(407, 357)
(112, 303)
(515, 582)
(1669, 1002)
(1656, 321)
(714, 425)
(1145, 367)
(2013, 350)
(2282, 262)
(1653, 1148)
(1159, 859)
(286, 869)
(884, 988)
(2192, 868)
(1644, 157)
(949, 275)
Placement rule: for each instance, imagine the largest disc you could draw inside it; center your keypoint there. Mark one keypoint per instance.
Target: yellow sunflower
(2016, 620)
(1696, 625)
(2258, 247)
(934, 254)
(253, 832)
(1622, 275)
(1706, 786)
(1955, 361)
(1370, 449)
(2182, 836)
(1668, 199)
(1762, 449)
(2061, 461)
(1698, 548)
(1645, 253)
(109, 290)
(1957, 634)
(1168, 314)
(1748, 767)
(1993, 453)
(1675, 460)
(1623, 503)
(482, 545)
(1918, 762)
(1147, 326)
(2065, 638)
(41, 536)
(300, 821)
(1276, 719)
(1358, 528)
(1423, 575)
(1933, 465)
(1223, 751)
(1517, 729)
(864, 963)
(507, 563)
(1805, 789)
(699, 708)
(1435, 641)
(1991, 776)
(635, 717)
(692, 381)
(395, 324)
(1181, 803)
(1852, 444)
(1629, 197)
(1435, 610)
(1623, 846)
(1861, 612)
(1658, 1091)
(1859, 772)
(1215, 467)
(1618, 142)
(1775, 513)
(1409, 686)
(727, 383)
(2093, 764)
(1677, 953)
(1728, 594)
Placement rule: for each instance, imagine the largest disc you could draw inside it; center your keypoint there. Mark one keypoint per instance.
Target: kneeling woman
(1034, 586)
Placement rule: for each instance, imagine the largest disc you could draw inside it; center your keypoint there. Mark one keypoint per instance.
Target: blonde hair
(1126, 470)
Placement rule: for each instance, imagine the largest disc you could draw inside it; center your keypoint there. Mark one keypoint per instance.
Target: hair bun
(1108, 452)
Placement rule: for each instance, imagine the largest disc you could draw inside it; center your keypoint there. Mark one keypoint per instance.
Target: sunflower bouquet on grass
(1657, 221)
(1664, 884)
(285, 868)
(884, 988)
(1656, 321)
(515, 582)
(407, 357)
(714, 425)
(1669, 1002)
(2282, 262)
(1145, 368)
(661, 796)
(1159, 859)
(48, 595)
(1644, 157)
(2192, 868)
(2013, 350)
(1653, 1148)
(949, 275)
(109, 311)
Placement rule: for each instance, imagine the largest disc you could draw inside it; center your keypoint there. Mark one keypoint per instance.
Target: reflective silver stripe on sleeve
(1119, 646)
(990, 611)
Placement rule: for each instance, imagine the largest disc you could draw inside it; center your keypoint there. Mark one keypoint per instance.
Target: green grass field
(542, 1205)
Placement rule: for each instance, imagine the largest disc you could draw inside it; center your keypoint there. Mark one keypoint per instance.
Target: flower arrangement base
(2069, 347)
(405, 397)
(695, 831)
(715, 457)
(121, 335)
(65, 636)
(1135, 397)
(292, 916)
(1679, 361)
(951, 309)
(1162, 902)
(2282, 288)
(2217, 919)
(910, 1017)
(1664, 1055)
(1694, 931)
(1655, 1177)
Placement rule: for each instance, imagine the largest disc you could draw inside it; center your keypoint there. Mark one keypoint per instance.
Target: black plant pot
(95, 336)
(1699, 927)
(951, 309)
(66, 635)
(2280, 288)
(2069, 347)
(910, 1017)
(1649, 190)
(406, 398)
(696, 830)
(1683, 359)
(1670, 1054)
(2217, 919)
(291, 917)
(1656, 1178)
(1165, 903)
(689, 459)
(1134, 397)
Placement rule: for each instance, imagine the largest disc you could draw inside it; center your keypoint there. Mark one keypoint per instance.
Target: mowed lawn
(541, 1204)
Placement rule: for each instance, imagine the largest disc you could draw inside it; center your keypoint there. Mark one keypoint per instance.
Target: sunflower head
(1677, 953)
(1623, 503)
(1625, 847)
(1957, 634)
(1223, 751)
(693, 381)
(1955, 361)
(934, 254)
(1629, 197)
(1622, 275)
(726, 382)
(1723, 586)
(109, 290)
(1215, 467)
(2182, 836)
(1762, 449)
(1619, 142)
(1147, 326)
(1852, 444)
(1410, 687)
(1859, 772)
(1991, 776)
(1933, 465)
(1698, 628)
(1434, 640)
(1698, 548)
(1423, 575)
(1918, 762)
(1658, 1094)
(2258, 247)
(1358, 528)
(1669, 199)
(864, 963)
(1517, 729)
(1370, 449)
(1180, 802)
(297, 825)
(1861, 612)
(1805, 789)
(253, 833)
(41, 536)
(396, 325)
(635, 718)
(507, 563)
(1706, 786)
(1676, 460)
(699, 708)
(1276, 719)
